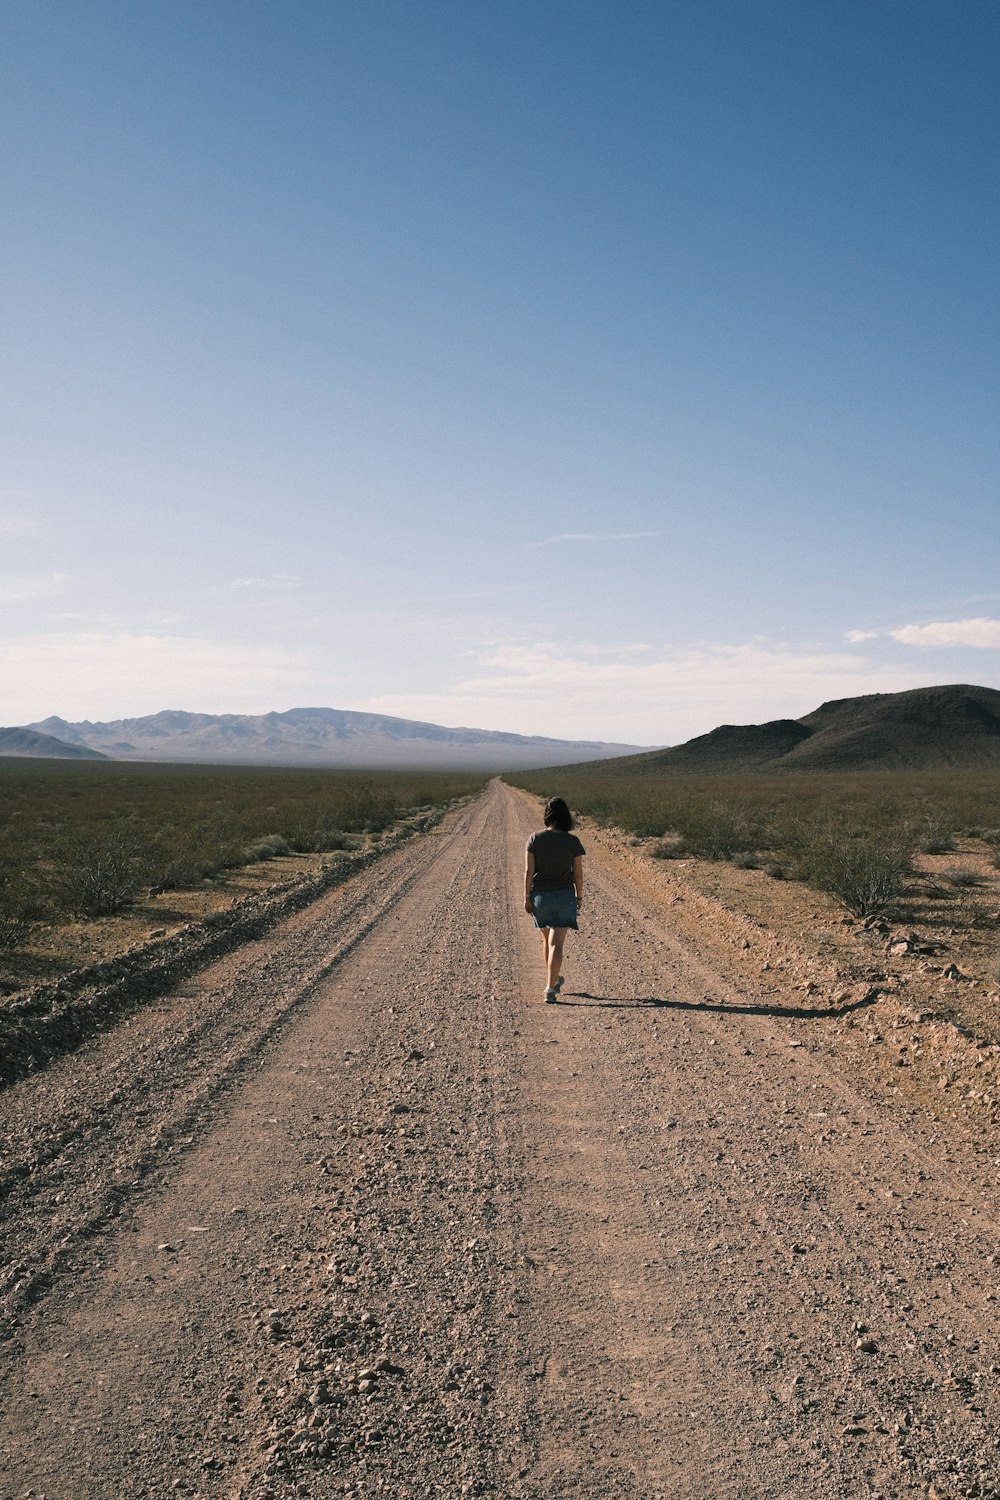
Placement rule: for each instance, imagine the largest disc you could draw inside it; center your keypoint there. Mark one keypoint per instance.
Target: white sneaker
(559, 984)
(550, 996)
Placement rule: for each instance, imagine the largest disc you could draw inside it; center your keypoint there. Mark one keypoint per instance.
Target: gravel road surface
(354, 1213)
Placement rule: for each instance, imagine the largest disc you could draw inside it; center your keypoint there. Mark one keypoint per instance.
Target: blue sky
(596, 370)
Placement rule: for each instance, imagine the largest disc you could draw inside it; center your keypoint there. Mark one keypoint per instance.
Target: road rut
(353, 1212)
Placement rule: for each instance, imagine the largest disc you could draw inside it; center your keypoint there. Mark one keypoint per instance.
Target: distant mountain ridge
(317, 737)
(28, 742)
(925, 729)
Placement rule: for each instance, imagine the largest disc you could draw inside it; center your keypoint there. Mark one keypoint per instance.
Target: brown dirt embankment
(911, 1006)
(46, 1020)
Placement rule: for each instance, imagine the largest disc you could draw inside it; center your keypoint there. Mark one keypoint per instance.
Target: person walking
(553, 887)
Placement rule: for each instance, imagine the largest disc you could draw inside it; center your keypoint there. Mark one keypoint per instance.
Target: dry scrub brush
(21, 901)
(853, 837)
(865, 870)
(86, 839)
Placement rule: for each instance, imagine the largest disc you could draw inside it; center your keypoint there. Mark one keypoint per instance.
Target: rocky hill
(29, 742)
(320, 737)
(926, 729)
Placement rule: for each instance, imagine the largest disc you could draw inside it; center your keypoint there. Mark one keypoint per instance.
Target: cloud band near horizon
(632, 694)
(980, 634)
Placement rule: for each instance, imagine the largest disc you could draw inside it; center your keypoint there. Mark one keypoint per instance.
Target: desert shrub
(961, 878)
(776, 871)
(667, 849)
(331, 839)
(746, 861)
(307, 838)
(722, 830)
(21, 903)
(364, 807)
(936, 839)
(301, 837)
(865, 872)
(88, 836)
(880, 818)
(269, 847)
(368, 809)
(647, 827)
(181, 854)
(100, 873)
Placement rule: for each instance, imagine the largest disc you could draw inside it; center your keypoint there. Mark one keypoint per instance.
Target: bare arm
(578, 877)
(529, 875)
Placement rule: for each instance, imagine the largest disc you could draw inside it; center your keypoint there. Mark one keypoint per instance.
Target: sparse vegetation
(83, 839)
(853, 836)
(20, 902)
(96, 872)
(936, 838)
(725, 829)
(666, 849)
(271, 846)
(961, 878)
(864, 872)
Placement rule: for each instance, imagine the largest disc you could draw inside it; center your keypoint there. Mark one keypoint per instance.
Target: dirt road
(354, 1213)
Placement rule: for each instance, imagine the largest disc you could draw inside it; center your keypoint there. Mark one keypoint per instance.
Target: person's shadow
(581, 1000)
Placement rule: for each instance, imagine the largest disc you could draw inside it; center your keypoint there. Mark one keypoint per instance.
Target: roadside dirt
(55, 950)
(912, 1005)
(354, 1213)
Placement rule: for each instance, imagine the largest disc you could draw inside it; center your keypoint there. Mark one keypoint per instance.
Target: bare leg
(554, 952)
(545, 947)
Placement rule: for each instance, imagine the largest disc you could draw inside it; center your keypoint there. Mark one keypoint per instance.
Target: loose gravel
(353, 1212)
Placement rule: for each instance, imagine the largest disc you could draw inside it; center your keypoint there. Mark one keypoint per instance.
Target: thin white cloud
(631, 694)
(594, 536)
(641, 697)
(857, 636)
(93, 675)
(983, 634)
(271, 581)
(20, 590)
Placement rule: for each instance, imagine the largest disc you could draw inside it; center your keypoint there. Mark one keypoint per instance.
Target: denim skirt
(554, 909)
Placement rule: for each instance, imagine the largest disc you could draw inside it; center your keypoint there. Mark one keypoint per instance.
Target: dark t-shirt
(554, 853)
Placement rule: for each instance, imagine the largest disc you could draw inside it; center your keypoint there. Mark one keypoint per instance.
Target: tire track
(799, 1294)
(320, 1292)
(429, 1237)
(80, 1139)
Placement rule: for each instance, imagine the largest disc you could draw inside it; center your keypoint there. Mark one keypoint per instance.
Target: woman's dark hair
(558, 815)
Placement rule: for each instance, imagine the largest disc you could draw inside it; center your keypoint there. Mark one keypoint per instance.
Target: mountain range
(306, 737)
(925, 729)
(30, 743)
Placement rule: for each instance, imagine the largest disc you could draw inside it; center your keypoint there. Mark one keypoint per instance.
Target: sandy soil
(354, 1213)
